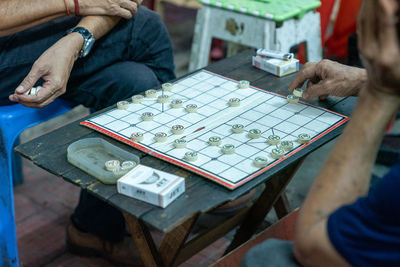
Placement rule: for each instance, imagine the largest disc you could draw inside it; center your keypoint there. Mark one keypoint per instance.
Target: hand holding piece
(329, 78)
(54, 67)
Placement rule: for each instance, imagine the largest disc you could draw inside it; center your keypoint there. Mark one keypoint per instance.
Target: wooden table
(177, 220)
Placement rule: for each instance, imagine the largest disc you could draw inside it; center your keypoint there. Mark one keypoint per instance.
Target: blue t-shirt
(367, 232)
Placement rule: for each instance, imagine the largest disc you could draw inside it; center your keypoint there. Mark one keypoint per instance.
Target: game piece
(191, 108)
(167, 86)
(214, 140)
(163, 98)
(111, 165)
(237, 128)
(234, 102)
(122, 104)
(277, 153)
(303, 138)
(147, 116)
(160, 137)
(260, 162)
(138, 137)
(151, 93)
(180, 143)
(298, 92)
(292, 99)
(119, 172)
(128, 165)
(273, 139)
(191, 156)
(176, 103)
(228, 149)
(243, 84)
(136, 99)
(34, 90)
(254, 133)
(286, 145)
(177, 129)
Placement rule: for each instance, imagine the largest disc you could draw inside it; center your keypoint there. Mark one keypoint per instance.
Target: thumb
(29, 81)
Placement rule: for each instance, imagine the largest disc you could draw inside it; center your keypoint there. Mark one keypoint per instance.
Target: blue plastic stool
(13, 120)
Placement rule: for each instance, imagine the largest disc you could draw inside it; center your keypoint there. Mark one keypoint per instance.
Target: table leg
(273, 189)
(143, 241)
(175, 239)
(282, 206)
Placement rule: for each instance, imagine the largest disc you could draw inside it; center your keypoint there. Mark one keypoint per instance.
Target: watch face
(87, 46)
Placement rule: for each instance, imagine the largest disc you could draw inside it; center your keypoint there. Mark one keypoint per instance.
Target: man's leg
(117, 82)
(112, 84)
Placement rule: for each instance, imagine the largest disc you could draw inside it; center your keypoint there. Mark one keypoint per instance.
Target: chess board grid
(214, 125)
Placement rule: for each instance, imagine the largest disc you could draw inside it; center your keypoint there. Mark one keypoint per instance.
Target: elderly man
(92, 52)
(340, 223)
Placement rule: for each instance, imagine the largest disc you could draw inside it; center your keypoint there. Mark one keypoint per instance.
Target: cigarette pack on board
(278, 67)
(152, 186)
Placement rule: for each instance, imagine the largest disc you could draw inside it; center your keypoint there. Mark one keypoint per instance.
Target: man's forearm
(18, 15)
(346, 174)
(99, 25)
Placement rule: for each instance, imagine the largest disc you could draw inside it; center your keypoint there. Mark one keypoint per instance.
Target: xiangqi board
(221, 129)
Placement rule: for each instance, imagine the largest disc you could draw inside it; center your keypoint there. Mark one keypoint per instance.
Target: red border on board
(203, 173)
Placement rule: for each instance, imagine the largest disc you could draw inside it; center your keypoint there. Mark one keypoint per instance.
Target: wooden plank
(53, 141)
(174, 240)
(200, 242)
(273, 189)
(144, 241)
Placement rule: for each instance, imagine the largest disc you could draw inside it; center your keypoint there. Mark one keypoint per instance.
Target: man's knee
(132, 77)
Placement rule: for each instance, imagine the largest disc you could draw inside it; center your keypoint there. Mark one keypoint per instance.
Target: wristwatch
(88, 40)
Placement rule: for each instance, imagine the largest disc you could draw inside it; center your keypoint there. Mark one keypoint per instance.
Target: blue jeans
(135, 56)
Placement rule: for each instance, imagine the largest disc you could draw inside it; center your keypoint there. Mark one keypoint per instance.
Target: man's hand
(329, 78)
(54, 67)
(119, 8)
(378, 26)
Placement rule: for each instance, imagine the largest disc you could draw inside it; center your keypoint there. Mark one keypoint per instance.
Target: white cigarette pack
(278, 67)
(152, 186)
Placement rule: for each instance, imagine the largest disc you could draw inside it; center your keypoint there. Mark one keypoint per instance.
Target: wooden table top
(49, 151)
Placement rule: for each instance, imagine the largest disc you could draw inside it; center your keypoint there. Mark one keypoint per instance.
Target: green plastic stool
(270, 24)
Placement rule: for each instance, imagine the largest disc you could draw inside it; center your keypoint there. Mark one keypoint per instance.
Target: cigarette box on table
(278, 67)
(152, 186)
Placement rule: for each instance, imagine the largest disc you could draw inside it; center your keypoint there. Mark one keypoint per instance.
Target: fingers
(368, 23)
(44, 97)
(315, 90)
(30, 80)
(388, 39)
(130, 6)
(306, 73)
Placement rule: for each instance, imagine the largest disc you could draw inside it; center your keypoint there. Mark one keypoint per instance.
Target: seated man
(340, 223)
(40, 44)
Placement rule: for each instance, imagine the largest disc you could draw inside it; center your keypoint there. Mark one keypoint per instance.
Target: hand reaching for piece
(54, 67)
(119, 8)
(378, 25)
(329, 78)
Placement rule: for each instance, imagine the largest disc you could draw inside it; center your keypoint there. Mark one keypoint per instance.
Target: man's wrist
(362, 78)
(76, 42)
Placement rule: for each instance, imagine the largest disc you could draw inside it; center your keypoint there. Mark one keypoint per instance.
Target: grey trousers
(271, 253)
